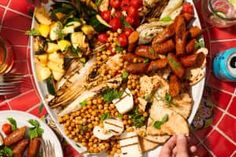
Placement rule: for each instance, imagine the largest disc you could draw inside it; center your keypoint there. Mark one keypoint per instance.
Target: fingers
(166, 151)
(181, 145)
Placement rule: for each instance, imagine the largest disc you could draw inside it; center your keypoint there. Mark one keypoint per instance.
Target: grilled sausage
(180, 35)
(157, 64)
(139, 68)
(165, 47)
(175, 65)
(189, 61)
(195, 31)
(129, 57)
(166, 34)
(200, 60)
(175, 86)
(190, 46)
(34, 147)
(19, 149)
(15, 136)
(146, 51)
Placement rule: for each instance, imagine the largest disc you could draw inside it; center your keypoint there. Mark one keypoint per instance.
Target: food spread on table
(119, 72)
(20, 141)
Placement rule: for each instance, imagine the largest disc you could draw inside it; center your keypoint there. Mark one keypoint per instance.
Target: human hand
(177, 146)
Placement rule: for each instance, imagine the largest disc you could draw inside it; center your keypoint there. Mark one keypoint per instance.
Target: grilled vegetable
(42, 72)
(44, 30)
(71, 26)
(39, 45)
(41, 16)
(175, 65)
(56, 31)
(63, 45)
(51, 86)
(52, 47)
(88, 30)
(99, 24)
(78, 40)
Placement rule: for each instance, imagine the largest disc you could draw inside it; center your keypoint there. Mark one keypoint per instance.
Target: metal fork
(9, 83)
(48, 149)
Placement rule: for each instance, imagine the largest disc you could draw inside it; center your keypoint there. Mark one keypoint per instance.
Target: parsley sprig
(138, 119)
(36, 130)
(6, 151)
(157, 124)
(111, 94)
(13, 123)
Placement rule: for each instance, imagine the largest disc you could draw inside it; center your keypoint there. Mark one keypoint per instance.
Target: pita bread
(182, 104)
(150, 142)
(175, 125)
(171, 7)
(195, 75)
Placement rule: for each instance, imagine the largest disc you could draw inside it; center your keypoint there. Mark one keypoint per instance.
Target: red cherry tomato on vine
(125, 4)
(106, 15)
(6, 128)
(136, 3)
(128, 31)
(130, 20)
(103, 38)
(115, 3)
(123, 40)
(115, 24)
(132, 11)
(188, 8)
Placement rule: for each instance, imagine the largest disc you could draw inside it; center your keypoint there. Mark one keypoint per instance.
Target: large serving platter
(196, 91)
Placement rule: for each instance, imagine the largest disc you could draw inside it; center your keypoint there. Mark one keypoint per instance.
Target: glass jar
(219, 13)
(6, 56)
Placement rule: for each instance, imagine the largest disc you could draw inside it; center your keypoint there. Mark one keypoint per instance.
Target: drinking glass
(219, 13)
(6, 56)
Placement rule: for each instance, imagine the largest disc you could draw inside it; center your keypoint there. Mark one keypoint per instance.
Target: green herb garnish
(174, 63)
(146, 60)
(36, 130)
(168, 98)
(6, 152)
(124, 22)
(138, 119)
(32, 32)
(105, 116)
(158, 124)
(151, 50)
(119, 48)
(13, 123)
(83, 103)
(166, 19)
(199, 44)
(111, 94)
(125, 75)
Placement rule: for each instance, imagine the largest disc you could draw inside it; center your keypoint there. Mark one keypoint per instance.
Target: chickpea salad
(119, 73)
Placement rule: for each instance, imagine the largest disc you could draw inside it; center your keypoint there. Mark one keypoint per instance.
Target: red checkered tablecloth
(214, 128)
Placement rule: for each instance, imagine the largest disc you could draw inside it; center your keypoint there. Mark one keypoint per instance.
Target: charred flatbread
(175, 124)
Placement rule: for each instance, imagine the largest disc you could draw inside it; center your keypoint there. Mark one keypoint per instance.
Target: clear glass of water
(219, 13)
(6, 56)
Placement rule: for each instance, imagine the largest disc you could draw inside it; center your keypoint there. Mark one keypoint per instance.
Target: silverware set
(10, 83)
(47, 149)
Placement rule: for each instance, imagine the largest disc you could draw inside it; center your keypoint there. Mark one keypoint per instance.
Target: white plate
(22, 120)
(197, 91)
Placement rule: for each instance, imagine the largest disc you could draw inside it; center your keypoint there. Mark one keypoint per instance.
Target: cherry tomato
(130, 20)
(125, 5)
(103, 37)
(128, 31)
(136, 3)
(132, 11)
(106, 15)
(123, 40)
(115, 24)
(115, 3)
(188, 8)
(118, 14)
(6, 128)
